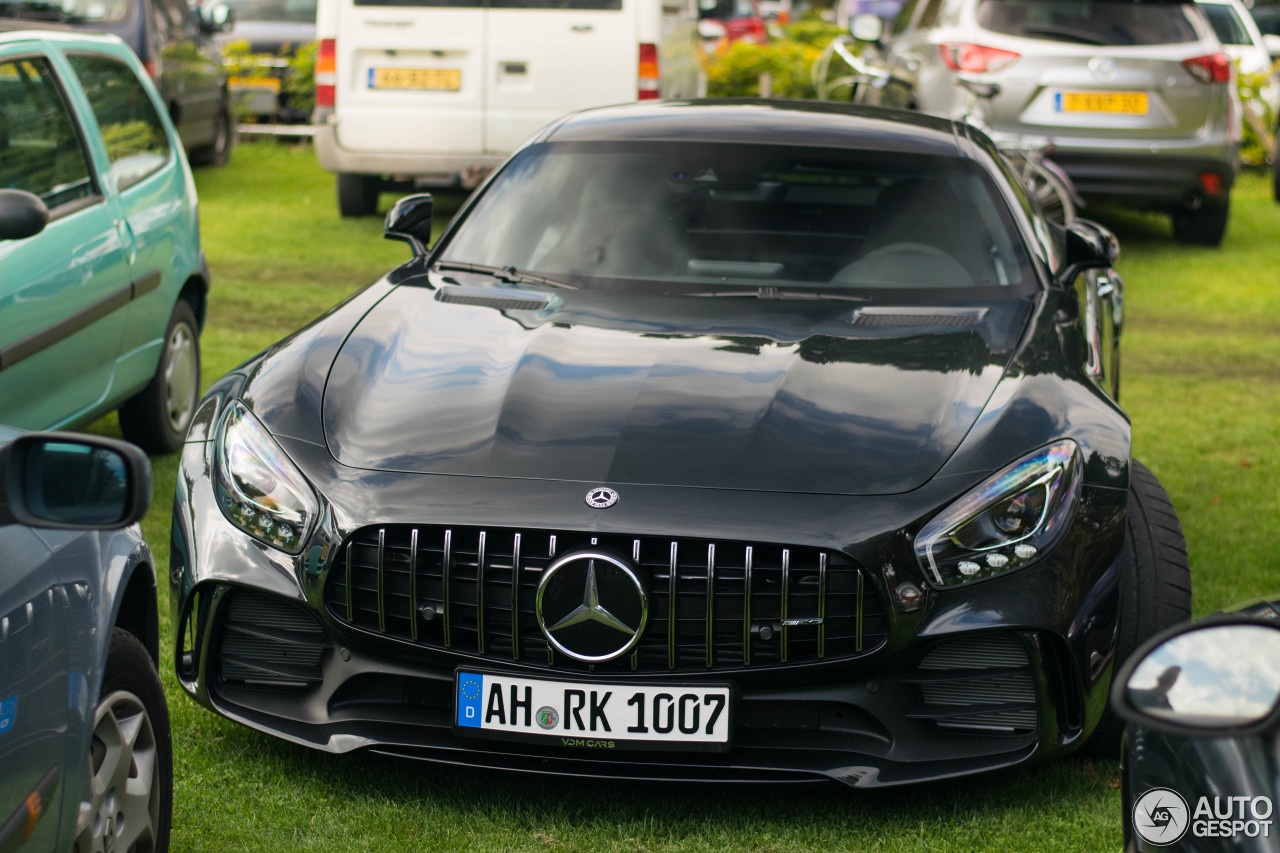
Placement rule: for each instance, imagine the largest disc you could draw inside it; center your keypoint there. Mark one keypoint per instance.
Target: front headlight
(1007, 522)
(259, 489)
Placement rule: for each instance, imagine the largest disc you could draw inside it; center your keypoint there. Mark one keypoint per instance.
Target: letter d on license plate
(593, 714)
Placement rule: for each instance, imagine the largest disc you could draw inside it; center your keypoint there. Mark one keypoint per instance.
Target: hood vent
(488, 297)
(916, 317)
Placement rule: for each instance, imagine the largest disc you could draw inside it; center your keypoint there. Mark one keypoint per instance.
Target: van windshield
(680, 217)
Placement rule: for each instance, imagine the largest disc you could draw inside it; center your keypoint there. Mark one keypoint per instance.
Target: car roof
(762, 122)
(14, 31)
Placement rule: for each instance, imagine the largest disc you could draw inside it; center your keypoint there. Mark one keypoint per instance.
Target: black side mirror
(22, 215)
(1211, 679)
(69, 480)
(409, 220)
(1087, 246)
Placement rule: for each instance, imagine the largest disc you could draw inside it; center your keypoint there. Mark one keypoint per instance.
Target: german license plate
(593, 714)
(438, 79)
(271, 83)
(1123, 103)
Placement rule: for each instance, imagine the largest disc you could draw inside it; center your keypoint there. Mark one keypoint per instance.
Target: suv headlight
(1007, 522)
(259, 489)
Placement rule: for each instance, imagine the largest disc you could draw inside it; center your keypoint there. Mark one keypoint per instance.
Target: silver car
(1135, 98)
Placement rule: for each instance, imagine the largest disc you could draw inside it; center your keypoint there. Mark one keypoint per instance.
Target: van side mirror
(22, 215)
(1088, 246)
(409, 220)
(217, 18)
(74, 481)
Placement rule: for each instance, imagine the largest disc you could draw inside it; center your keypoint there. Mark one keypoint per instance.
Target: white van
(438, 92)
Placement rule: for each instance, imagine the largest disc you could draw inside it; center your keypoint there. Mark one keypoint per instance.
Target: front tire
(358, 194)
(1155, 583)
(130, 757)
(217, 152)
(1204, 226)
(156, 419)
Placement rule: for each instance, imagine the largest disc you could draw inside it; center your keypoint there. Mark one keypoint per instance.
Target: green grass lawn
(1201, 381)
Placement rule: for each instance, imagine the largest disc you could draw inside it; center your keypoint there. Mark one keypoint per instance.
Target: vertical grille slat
(713, 604)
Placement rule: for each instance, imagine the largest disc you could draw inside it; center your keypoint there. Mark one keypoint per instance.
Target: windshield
(1113, 23)
(67, 11)
(294, 11)
(681, 217)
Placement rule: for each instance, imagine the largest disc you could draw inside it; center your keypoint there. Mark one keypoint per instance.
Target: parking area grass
(1201, 381)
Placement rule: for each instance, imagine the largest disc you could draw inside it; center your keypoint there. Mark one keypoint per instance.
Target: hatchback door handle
(582, 28)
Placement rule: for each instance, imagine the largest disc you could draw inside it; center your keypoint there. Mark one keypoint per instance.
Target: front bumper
(967, 680)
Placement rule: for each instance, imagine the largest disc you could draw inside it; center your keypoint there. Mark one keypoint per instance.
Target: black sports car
(713, 440)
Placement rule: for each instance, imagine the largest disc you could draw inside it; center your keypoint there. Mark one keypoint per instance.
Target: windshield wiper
(777, 293)
(507, 275)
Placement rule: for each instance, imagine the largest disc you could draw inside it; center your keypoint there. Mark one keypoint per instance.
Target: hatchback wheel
(1155, 582)
(156, 419)
(217, 152)
(358, 194)
(1203, 226)
(130, 758)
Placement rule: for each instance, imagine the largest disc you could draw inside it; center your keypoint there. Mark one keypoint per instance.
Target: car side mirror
(1087, 246)
(1218, 679)
(866, 27)
(217, 17)
(409, 220)
(22, 215)
(69, 480)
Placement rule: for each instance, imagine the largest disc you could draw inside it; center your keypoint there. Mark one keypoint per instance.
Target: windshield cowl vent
(899, 317)
(488, 297)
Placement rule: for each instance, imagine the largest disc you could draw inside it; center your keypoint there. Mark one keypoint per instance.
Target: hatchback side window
(132, 130)
(40, 147)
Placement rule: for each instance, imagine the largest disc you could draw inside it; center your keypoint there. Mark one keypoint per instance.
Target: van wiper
(778, 293)
(508, 275)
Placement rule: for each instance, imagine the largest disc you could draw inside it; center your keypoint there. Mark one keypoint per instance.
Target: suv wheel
(358, 194)
(217, 152)
(1203, 226)
(130, 757)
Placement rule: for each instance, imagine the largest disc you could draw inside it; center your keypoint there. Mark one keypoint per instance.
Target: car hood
(801, 395)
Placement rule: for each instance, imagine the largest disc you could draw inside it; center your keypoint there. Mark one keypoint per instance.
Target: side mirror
(69, 480)
(1211, 679)
(866, 27)
(22, 215)
(217, 17)
(409, 220)
(1088, 246)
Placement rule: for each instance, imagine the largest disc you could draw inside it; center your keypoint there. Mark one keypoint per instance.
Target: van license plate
(1123, 103)
(438, 79)
(593, 714)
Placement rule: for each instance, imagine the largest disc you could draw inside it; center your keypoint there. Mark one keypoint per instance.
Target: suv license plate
(593, 714)
(1123, 103)
(439, 79)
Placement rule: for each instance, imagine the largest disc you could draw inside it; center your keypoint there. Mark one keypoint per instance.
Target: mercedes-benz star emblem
(592, 606)
(602, 498)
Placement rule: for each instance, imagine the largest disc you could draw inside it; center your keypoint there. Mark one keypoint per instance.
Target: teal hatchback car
(103, 283)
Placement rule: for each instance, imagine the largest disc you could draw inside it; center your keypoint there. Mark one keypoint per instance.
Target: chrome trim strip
(786, 590)
(351, 610)
(711, 603)
(515, 598)
(382, 608)
(671, 606)
(858, 646)
(822, 605)
(480, 592)
(413, 584)
(444, 574)
(746, 609)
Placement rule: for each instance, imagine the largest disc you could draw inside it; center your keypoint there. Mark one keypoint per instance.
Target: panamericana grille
(712, 604)
(977, 684)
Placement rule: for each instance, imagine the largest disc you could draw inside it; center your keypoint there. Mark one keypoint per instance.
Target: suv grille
(978, 684)
(713, 605)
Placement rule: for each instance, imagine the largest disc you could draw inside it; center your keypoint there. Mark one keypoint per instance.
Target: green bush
(734, 71)
(1259, 144)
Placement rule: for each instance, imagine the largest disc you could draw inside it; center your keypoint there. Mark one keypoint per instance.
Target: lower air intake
(269, 643)
(983, 685)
